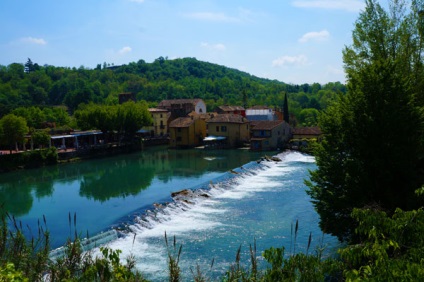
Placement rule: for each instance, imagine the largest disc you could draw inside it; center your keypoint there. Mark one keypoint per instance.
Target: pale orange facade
(159, 125)
(186, 132)
(234, 128)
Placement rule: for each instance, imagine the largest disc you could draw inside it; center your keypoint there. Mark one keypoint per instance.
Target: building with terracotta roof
(235, 128)
(236, 110)
(125, 97)
(159, 126)
(182, 107)
(306, 132)
(185, 132)
(269, 135)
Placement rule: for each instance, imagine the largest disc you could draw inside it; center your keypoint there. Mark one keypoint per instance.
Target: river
(255, 202)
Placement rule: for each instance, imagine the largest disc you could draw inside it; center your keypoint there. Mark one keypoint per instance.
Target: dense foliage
(12, 130)
(28, 159)
(125, 119)
(372, 154)
(47, 86)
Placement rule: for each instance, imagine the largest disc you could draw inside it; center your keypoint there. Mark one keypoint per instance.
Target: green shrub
(28, 159)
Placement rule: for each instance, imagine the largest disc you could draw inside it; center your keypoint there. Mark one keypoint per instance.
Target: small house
(235, 128)
(235, 110)
(159, 127)
(125, 97)
(306, 132)
(182, 107)
(257, 113)
(186, 132)
(269, 135)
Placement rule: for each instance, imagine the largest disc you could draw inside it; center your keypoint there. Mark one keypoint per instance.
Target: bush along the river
(28, 159)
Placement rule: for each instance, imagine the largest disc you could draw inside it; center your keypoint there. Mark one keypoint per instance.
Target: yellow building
(186, 132)
(159, 125)
(234, 128)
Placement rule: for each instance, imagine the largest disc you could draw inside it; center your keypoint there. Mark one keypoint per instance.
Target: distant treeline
(29, 84)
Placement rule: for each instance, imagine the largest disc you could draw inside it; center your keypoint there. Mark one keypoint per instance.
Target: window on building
(160, 115)
(179, 129)
(223, 128)
(179, 139)
(262, 133)
(217, 129)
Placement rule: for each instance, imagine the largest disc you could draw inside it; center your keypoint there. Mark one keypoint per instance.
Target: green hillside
(29, 84)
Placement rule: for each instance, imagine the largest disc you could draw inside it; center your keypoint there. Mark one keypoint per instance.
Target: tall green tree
(286, 109)
(102, 117)
(29, 66)
(372, 154)
(132, 117)
(13, 130)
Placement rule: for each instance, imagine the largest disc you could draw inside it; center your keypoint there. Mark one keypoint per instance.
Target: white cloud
(347, 5)
(125, 50)
(32, 40)
(298, 60)
(315, 35)
(217, 47)
(215, 17)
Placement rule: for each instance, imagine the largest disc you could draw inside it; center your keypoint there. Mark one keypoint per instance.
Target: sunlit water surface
(132, 193)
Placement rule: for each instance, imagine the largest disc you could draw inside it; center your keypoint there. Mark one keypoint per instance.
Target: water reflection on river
(102, 191)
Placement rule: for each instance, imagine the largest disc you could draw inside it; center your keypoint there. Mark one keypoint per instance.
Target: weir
(255, 203)
(88, 243)
(183, 200)
(178, 202)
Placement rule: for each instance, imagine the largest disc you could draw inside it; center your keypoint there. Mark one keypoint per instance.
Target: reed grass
(23, 259)
(28, 260)
(174, 254)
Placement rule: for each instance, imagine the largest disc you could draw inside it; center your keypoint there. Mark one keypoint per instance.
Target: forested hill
(29, 84)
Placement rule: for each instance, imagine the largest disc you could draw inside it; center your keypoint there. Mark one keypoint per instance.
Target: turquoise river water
(125, 202)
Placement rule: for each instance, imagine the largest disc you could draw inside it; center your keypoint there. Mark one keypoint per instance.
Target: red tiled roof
(168, 103)
(265, 124)
(228, 118)
(226, 108)
(307, 130)
(204, 116)
(182, 122)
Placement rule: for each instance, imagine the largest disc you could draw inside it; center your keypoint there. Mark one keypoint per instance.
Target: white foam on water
(198, 214)
(294, 156)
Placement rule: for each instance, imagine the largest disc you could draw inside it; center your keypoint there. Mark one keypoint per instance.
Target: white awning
(214, 138)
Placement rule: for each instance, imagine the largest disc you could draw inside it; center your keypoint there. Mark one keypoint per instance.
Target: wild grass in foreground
(391, 250)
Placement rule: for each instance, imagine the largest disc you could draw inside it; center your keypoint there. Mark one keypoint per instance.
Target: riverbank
(28, 159)
(18, 160)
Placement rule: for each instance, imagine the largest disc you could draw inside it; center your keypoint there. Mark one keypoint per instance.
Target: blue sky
(294, 41)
